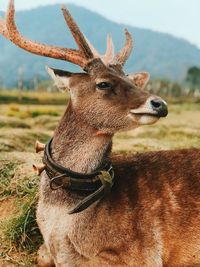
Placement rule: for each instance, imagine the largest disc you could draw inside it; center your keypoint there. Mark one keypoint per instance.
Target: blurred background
(166, 44)
(166, 35)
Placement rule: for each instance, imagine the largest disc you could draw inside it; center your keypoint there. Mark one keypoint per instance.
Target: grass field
(21, 125)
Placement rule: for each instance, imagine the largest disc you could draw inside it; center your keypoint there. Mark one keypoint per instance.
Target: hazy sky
(178, 17)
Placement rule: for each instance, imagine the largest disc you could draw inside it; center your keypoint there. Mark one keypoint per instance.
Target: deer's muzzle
(154, 106)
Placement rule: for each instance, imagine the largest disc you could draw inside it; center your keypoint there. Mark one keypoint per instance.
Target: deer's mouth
(144, 118)
(145, 114)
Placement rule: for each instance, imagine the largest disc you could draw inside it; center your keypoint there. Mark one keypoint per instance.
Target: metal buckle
(53, 180)
(107, 180)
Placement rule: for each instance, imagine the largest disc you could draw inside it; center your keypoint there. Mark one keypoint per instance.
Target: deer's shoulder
(157, 168)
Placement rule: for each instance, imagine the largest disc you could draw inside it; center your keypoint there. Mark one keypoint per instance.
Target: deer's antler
(77, 34)
(3, 30)
(9, 30)
(81, 57)
(122, 56)
(107, 58)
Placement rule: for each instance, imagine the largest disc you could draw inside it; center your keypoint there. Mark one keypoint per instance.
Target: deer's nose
(160, 106)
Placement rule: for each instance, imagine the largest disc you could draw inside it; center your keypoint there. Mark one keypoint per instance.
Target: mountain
(163, 55)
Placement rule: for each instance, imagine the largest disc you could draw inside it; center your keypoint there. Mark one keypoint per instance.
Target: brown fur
(150, 217)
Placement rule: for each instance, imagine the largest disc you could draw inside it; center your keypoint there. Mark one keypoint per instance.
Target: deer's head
(102, 96)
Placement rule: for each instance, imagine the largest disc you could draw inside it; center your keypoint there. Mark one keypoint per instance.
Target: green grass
(31, 113)
(6, 122)
(33, 97)
(19, 230)
(21, 139)
(7, 171)
(22, 229)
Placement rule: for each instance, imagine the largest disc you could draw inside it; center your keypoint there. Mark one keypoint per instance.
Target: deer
(97, 208)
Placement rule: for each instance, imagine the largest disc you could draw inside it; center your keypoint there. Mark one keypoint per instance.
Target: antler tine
(3, 30)
(95, 53)
(9, 30)
(123, 55)
(108, 57)
(77, 34)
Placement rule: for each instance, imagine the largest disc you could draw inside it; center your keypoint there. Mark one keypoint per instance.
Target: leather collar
(97, 184)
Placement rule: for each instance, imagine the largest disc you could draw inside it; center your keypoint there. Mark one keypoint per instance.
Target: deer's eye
(104, 86)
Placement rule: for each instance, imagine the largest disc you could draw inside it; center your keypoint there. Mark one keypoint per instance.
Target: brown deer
(97, 209)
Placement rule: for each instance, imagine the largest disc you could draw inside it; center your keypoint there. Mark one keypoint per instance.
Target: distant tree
(1, 83)
(20, 83)
(193, 76)
(176, 90)
(46, 85)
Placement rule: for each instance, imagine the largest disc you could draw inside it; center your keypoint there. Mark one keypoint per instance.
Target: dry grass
(32, 97)
(181, 129)
(21, 125)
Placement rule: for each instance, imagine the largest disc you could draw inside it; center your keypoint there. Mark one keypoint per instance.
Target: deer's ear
(60, 77)
(139, 79)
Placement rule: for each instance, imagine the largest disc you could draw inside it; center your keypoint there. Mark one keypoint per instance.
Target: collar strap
(98, 183)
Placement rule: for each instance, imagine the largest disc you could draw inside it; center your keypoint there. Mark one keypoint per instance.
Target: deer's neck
(77, 146)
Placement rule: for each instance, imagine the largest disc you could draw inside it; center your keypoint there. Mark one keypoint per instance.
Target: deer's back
(165, 182)
(157, 199)
(158, 173)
